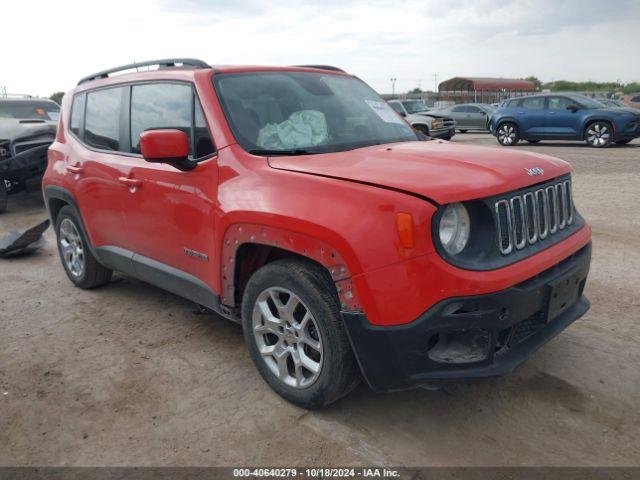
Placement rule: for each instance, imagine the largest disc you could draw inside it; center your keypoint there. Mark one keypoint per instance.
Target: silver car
(433, 124)
(468, 116)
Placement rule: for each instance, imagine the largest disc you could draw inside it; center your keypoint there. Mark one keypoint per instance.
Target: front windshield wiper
(293, 151)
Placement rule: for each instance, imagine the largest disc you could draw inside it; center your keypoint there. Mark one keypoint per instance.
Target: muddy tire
(3, 195)
(295, 334)
(422, 129)
(75, 254)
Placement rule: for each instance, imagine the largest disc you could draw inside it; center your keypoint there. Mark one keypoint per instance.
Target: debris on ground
(16, 243)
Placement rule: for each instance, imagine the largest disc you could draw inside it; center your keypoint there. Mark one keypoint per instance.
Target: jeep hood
(441, 171)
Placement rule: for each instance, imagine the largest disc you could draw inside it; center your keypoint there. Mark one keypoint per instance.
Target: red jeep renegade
(297, 202)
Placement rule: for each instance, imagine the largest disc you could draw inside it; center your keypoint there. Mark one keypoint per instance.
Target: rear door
(560, 121)
(170, 214)
(531, 115)
(95, 162)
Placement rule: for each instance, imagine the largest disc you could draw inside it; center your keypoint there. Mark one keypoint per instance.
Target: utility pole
(435, 82)
(3, 91)
(393, 87)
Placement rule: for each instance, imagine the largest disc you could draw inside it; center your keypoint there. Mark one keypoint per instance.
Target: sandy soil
(131, 375)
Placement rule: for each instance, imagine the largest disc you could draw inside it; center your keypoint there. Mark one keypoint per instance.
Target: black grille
(525, 219)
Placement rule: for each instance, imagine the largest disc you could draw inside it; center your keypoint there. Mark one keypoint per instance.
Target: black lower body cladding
(466, 338)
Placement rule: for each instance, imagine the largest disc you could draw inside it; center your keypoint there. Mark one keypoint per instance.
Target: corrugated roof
(483, 83)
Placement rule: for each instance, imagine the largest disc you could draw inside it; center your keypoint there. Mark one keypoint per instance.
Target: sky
(48, 46)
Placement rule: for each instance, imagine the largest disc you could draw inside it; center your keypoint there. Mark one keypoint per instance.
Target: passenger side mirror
(573, 108)
(167, 146)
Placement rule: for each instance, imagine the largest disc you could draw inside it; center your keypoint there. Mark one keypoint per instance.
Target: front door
(477, 117)
(560, 121)
(170, 214)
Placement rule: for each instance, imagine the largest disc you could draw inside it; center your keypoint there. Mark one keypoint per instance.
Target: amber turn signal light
(404, 223)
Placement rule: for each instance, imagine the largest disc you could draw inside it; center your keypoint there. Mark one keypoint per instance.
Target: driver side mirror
(573, 108)
(167, 146)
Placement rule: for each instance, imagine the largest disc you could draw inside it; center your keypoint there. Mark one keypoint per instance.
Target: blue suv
(562, 117)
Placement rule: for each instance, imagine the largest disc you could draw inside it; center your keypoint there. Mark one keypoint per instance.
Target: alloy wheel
(72, 247)
(287, 337)
(507, 134)
(598, 135)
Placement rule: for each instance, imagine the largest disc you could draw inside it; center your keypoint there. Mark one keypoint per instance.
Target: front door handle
(130, 182)
(74, 169)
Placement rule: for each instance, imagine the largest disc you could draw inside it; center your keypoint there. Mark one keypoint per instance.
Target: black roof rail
(165, 63)
(322, 67)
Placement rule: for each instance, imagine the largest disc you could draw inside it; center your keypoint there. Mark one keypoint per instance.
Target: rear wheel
(508, 134)
(79, 263)
(623, 142)
(295, 335)
(3, 195)
(463, 131)
(598, 135)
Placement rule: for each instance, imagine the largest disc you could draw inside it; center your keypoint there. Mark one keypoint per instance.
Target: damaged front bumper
(472, 337)
(23, 160)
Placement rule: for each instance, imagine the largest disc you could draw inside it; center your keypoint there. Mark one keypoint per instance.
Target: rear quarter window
(77, 111)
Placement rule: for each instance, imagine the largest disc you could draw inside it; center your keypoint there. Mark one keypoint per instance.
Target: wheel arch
(247, 247)
(591, 120)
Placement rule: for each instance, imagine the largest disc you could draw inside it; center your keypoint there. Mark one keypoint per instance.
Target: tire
(79, 263)
(334, 371)
(533, 141)
(508, 134)
(422, 129)
(623, 142)
(4, 194)
(446, 137)
(598, 134)
(464, 131)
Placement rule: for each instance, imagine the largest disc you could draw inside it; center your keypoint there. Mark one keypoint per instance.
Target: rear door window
(536, 103)
(102, 119)
(459, 109)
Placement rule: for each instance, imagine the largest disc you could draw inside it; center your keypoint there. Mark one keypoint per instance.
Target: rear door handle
(76, 170)
(130, 182)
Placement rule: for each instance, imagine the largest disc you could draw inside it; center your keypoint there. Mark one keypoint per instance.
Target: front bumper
(446, 132)
(472, 337)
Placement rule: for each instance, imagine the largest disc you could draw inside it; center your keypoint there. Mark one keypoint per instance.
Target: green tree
(632, 87)
(57, 97)
(415, 90)
(536, 81)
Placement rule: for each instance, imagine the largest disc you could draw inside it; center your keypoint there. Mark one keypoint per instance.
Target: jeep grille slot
(532, 217)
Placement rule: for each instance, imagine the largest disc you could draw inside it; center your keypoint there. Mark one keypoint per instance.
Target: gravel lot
(131, 375)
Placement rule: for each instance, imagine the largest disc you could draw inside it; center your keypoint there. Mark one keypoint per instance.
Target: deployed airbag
(304, 128)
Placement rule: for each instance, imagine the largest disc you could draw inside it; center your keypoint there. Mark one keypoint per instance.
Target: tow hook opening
(462, 346)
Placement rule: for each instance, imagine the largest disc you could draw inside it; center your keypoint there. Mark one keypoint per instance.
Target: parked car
(27, 128)
(296, 202)
(632, 100)
(430, 124)
(468, 116)
(563, 117)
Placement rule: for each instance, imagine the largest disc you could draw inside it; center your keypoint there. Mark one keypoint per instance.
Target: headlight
(454, 228)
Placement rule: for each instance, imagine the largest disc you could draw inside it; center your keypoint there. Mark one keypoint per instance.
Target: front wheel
(598, 135)
(295, 335)
(508, 134)
(422, 129)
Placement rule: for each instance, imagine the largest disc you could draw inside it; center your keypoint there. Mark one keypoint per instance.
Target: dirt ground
(131, 375)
